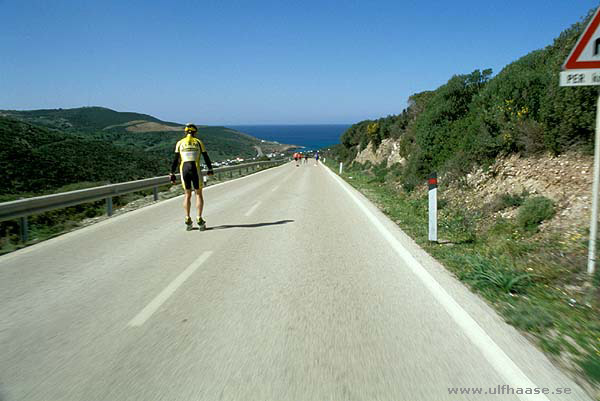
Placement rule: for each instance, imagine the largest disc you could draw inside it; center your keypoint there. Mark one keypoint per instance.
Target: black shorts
(190, 176)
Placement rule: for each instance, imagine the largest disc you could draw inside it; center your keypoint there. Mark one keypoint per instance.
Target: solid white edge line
(501, 362)
(156, 303)
(253, 208)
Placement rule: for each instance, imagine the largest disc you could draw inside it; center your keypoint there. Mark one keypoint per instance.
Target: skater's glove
(172, 178)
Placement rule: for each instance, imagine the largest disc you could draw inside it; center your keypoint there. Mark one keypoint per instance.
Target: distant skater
(316, 158)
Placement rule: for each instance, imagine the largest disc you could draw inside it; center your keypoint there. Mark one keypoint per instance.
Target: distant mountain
(143, 131)
(81, 119)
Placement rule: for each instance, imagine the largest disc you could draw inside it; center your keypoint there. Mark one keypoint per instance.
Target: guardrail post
(155, 193)
(230, 173)
(109, 206)
(24, 226)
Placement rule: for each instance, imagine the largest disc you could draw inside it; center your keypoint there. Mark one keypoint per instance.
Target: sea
(311, 137)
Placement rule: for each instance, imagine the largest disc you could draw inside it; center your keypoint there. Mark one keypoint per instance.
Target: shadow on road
(255, 225)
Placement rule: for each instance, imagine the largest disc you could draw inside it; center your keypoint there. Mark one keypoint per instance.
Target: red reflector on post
(432, 181)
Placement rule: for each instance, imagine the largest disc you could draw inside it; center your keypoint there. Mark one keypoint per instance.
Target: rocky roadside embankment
(388, 151)
(565, 179)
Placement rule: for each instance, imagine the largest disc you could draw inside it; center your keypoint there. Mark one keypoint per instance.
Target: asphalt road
(300, 290)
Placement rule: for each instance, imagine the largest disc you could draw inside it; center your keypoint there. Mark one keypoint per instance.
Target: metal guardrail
(20, 209)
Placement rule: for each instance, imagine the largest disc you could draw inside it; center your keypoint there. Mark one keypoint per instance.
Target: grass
(530, 317)
(591, 365)
(495, 274)
(536, 282)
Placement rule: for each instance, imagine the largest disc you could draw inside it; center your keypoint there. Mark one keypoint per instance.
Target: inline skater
(187, 157)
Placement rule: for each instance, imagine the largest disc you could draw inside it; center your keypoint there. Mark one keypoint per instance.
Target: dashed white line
(501, 362)
(253, 208)
(156, 303)
(275, 189)
(244, 177)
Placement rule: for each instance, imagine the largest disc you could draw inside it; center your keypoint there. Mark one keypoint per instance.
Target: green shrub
(504, 201)
(373, 134)
(533, 212)
(379, 171)
(409, 186)
(530, 136)
(395, 171)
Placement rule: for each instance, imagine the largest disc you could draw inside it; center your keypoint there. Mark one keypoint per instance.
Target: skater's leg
(199, 207)
(199, 202)
(187, 202)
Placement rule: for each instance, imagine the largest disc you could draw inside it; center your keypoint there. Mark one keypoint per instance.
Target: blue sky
(254, 62)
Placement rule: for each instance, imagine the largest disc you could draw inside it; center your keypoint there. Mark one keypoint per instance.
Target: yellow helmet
(190, 128)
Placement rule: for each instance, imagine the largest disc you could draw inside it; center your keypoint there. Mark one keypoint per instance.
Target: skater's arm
(207, 161)
(174, 167)
(175, 163)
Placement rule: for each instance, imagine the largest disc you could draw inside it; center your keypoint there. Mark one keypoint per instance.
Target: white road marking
(244, 177)
(275, 189)
(501, 362)
(253, 208)
(156, 303)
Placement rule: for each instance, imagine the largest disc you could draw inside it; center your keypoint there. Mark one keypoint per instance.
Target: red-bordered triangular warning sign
(586, 53)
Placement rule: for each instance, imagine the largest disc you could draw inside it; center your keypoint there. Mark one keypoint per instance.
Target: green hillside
(221, 143)
(473, 118)
(141, 131)
(35, 159)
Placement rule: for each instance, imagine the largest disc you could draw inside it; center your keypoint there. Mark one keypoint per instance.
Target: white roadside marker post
(594, 215)
(594, 222)
(341, 168)
(582, 68)
(433, 207)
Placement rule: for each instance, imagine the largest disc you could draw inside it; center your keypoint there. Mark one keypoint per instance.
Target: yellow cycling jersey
(190, 149)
